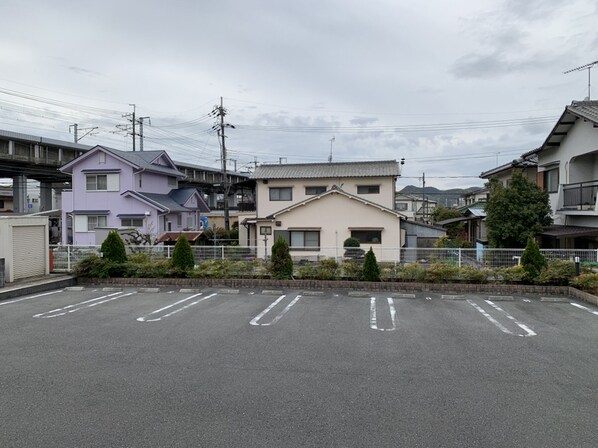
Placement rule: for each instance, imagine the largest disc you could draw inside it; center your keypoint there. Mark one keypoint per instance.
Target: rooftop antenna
(330, 156)
(587, 67)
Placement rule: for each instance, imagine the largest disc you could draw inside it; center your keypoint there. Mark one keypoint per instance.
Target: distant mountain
(445, 198)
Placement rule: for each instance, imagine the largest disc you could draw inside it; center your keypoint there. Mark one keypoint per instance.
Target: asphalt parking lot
(279, 368)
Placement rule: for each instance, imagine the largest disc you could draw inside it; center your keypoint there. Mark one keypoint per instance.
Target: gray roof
(382, 168)
(144, 159)
(182, 195)
(166, 201)
(530, 161)
(585, 110)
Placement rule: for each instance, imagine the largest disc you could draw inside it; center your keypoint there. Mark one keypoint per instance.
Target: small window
(179, 220)
(368, 189)
(131, 222)
(367, 236)
(172, 181)
(402, 206)
(281, 194)
(101, 157)
(95, 221)
(551, 180)
(310, 191)
(96, 182)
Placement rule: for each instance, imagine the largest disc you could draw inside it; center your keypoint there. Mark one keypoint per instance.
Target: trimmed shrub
(351, 270)
(281, 263)
(113, 248)
(352, 248)
(557, 272)
(586, 282)
(371, 271)
(412, 272)
(441, 272)
(470, 274)
(512, 274)
(182, 255)
(532, 260)
(325, 270)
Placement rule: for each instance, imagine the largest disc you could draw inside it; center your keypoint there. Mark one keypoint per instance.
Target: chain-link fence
(65, 257)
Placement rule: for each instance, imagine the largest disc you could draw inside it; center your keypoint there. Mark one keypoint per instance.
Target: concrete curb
(34, 287)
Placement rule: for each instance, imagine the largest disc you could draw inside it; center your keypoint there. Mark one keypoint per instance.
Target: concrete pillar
(11, 147)
(212, 200)
(232, 199)
(19, 194)
(45, 196)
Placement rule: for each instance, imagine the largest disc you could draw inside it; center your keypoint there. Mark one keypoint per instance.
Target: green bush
(350, 270)
(586, 282)
(441, 272)
(182, 255)
(212, 269)
(139, 258)
(470, 274)
(532, 260)
(324, 270)
(411, 272)
(371, 271)
(352, 248)
(281, 263)
(149, 269)
(511, 274)
(113, 248)
(557, 272)
(96, 267)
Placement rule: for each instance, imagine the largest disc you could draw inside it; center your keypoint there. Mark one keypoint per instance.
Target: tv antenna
(330, 156)
(587, 67)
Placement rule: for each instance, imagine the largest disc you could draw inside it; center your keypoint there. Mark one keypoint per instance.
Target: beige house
(316, 206)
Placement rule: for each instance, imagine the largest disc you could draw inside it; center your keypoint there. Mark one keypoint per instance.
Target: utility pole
(141, 130)
(331, 142)
(133, 120)
(220, 112)
(76, 130)
(424, 197)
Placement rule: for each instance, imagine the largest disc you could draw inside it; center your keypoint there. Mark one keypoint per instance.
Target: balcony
(580, 196)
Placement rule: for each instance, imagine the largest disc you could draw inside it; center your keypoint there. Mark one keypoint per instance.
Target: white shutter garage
(29, 251)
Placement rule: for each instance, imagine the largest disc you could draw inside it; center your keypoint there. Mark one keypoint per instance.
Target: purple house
(116, 189)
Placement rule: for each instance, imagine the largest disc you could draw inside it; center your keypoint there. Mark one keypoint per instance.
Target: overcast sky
(454, 88)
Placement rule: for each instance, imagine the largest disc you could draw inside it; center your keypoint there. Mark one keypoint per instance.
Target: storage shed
(24, 246)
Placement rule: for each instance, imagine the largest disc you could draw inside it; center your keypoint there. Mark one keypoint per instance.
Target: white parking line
(29, 298)
(85, 304)
(373, 317)
(189, 305)
(585, 308)
(255, 320)
(521, 325)
(502, 328)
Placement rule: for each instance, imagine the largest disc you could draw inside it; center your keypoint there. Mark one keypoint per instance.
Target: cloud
(83, 71)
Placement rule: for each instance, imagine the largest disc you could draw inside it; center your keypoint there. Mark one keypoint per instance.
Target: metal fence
(65, 257)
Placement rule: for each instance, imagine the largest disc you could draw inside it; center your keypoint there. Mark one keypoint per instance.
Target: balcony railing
(580, 196)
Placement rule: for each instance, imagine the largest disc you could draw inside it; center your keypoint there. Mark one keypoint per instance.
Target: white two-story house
(316, 206)
(568, 171)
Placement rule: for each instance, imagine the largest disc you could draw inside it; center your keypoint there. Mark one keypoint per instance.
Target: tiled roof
(166, 201)
(522, 162)
(382, 168)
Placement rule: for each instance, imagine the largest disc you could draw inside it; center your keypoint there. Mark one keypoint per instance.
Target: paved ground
(134, 368)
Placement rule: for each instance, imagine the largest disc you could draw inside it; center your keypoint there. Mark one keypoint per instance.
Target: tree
(455, 230)
(113, 248)
(281, 263)
(371, 271)
(352, 248)
(182, 255)
(516, 212)
(532, 260)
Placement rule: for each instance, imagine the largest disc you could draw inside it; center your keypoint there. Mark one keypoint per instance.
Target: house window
(101, 157)
(96, 182)
(299, 239)
(131, 222)
(368, 189)
(95, 221)
(281, 194)
(310, 191)
(367, 236)
(179, 220)
(402, 206)
(551, 180)
(172, 181)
